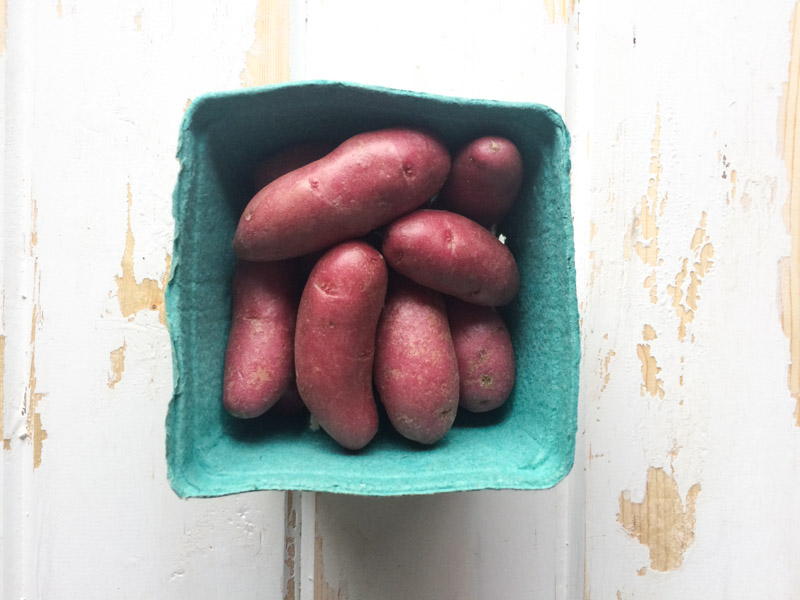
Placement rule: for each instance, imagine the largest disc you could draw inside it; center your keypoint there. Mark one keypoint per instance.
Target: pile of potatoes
(411, 314)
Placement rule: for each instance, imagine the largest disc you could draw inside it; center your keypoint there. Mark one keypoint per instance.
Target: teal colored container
(527, 444)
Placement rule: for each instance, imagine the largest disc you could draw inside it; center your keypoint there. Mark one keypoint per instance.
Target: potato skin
(288, 159)
(259, 362)
(484, 181)
(485, 356)
(416, 373)
(335, 341)
(453, 255)
(367, 181)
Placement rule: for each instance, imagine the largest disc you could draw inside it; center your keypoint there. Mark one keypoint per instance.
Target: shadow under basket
(527, 444)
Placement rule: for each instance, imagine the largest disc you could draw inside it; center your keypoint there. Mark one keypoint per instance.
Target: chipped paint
(267, 60)
(641, 572)
(117, 365)
(791, 142)
(648, 333)
(684, 292)
(290, 580)
(605, 374)
(33, 419)
(661, 521)
(145, 295)
(322, 589)
(650, 283)
(645, 224)
(560, 11)
(651, 383)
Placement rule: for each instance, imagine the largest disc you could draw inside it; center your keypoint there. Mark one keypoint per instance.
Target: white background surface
(683, 172)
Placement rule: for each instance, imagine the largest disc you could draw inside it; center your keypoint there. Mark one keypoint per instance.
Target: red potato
(259, 363)
(367, 181)
(453, 255)
(289, 159)
(484, 353)
(484, 181)
(416, 373)
(335, 341)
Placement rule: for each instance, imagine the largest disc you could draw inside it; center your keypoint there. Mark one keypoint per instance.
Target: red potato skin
(367, 181)
(485, 356)
(453, 255)
(259, 362)
(335, 341)
(289, 159)
(484, 181)
(416, 373)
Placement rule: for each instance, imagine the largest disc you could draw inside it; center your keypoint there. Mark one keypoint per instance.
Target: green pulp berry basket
(527, 444)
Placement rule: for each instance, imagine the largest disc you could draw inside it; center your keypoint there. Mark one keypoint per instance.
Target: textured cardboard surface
(527, 444)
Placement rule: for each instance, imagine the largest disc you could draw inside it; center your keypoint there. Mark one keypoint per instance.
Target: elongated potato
(416, 373)
(366, 182)
(259, 360)
(335, 341)
(484, 353)
(484, 181)
(453, 255)
(289, 159)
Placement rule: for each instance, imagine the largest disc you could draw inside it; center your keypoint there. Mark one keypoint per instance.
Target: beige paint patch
(117, 365)
(790, 122)
(648, 333)
(651, 285)
(605, 373)
(137, 20)
(267, 60)
(661, 521)
(645, 226)
(651, 383)
(642, 572)
(147, 294)
(684, 292)
(59, 8)
(560, 11)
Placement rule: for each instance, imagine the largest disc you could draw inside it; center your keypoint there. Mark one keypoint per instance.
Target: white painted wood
(712, 76)
(94, 95)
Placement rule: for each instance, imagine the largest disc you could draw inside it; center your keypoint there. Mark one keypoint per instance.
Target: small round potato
(484, 181)
(485, 355)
